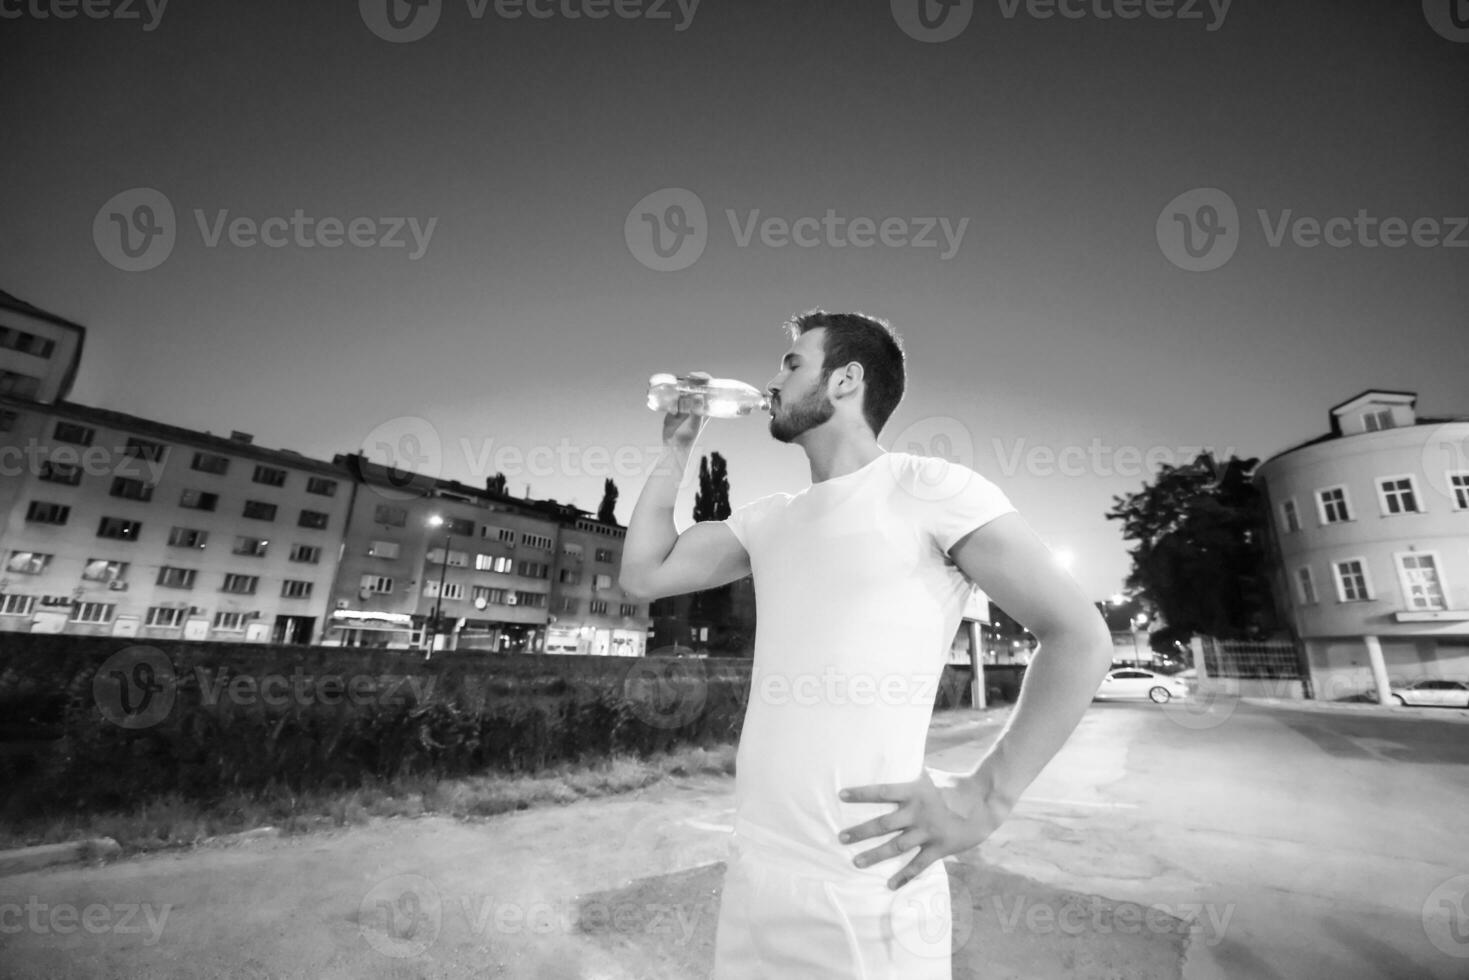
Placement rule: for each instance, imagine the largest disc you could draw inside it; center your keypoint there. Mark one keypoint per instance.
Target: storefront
(364, 628)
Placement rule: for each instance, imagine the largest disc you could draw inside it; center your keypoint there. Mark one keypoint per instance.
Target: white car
(1134, 683)
(1435, 693)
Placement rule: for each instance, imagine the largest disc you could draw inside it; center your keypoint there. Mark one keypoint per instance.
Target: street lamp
(438, 521)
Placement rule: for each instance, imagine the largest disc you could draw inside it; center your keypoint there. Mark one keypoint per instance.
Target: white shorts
(785, 916)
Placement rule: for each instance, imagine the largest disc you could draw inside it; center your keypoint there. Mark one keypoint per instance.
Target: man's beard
(790, 421)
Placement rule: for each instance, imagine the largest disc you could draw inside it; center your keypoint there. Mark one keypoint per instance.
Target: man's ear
(848, 377)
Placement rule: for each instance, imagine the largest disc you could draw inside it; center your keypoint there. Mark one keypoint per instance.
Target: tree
(609, 502)
(713, 608)
(496, 483)
(1200, 558)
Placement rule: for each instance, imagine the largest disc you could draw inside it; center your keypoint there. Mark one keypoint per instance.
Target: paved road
(1318, 843)
(1299, 845)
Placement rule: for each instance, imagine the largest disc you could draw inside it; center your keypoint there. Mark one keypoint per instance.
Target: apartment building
(40, 352)
(115, 525)
(1370, 528)
(590, 614)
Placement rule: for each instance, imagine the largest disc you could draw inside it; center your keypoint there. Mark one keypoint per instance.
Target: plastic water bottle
(719, 398)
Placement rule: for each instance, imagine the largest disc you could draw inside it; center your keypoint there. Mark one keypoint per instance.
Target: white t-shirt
(857, 604)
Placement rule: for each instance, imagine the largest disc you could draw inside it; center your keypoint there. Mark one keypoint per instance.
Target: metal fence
(1247, 659)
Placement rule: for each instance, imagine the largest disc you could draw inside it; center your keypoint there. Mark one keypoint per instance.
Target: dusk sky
(1027, 173)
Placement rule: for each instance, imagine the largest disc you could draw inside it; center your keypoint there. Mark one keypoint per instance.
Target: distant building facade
(1370, 528)
(40, 352)
(115, 525)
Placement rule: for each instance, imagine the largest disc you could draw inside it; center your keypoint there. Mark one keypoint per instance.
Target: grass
(174, 822)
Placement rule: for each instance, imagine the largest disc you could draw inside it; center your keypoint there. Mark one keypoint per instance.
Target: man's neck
(834, 457)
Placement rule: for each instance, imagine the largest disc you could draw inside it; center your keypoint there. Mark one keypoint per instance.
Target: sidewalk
(1458, 715)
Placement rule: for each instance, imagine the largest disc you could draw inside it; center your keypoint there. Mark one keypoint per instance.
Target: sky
(427, 232)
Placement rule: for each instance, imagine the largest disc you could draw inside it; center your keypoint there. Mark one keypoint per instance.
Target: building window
(69, 474)
(129, 489)
(176, 578)
(27, 562)
(293, 588)
(451, 590)
(628, 609)
(92, 613)
(321, 486)
(1377, 419)
(243, 584)
(16, 605)
(8, 418)
(568, 604)
(1290, 517)
(488, 595)
(536, 541)
(390, 515)
(572, 552)
(1422, 587)
(198, 500)
(604, 554)
(602, 581)
(170, 617)
(313, 519)
(103, 570)
(308, 553)
(79, 435)
(119, 529)
(230, 622)
(1459, 487)
(570, 576)
(1332, 506)
(534, 600)
(144, 449)
(504, 534)
(45, 512)
(1351, 581)
(20, 385)
(26, 343)
(598, 605)
(377, 584)
(254, 547)
(457, 559)
(259, 510)
(1398, 495)
(1307, 585)
(187, 537)
(211, 463)
(532, 569)
(270, 476)
(459, 526)
(382, 549)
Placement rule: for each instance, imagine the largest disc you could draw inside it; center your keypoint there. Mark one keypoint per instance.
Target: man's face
(798, 396)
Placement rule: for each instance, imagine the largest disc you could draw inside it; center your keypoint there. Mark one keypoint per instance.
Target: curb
(1452, 715)
(25, 859)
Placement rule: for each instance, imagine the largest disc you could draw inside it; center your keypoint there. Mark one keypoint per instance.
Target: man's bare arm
(1019, 573)
(657, 561)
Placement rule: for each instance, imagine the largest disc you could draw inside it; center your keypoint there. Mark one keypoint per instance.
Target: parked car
(1135, 683)
(1432, 693)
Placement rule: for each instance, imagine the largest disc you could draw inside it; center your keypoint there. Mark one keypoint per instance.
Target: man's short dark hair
(871, 342)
